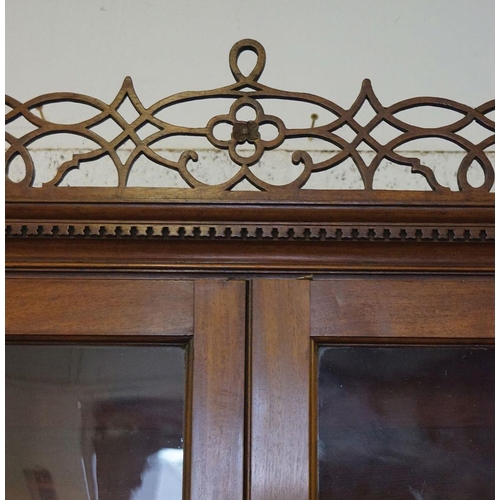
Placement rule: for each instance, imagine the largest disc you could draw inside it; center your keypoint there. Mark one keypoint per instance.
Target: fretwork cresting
(249, 92)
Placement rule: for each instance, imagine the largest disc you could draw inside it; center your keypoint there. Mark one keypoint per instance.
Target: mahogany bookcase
(252, 283)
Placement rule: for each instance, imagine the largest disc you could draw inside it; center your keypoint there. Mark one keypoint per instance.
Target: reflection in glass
(94, 423)
(412, 423)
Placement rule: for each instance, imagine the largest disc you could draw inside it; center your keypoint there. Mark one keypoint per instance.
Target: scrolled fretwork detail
(248, 91)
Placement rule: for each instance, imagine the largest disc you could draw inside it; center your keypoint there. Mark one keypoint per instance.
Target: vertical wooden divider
(218, 391)
(280, 371)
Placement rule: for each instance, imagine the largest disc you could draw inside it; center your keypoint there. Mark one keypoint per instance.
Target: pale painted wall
(406, 47)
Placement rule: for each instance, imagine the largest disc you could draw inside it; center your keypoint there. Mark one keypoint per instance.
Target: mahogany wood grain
(393, 206)
(89, 307)
(422, 307)
(218, 391)
(131, 195)
(280, 361)
(251, 256)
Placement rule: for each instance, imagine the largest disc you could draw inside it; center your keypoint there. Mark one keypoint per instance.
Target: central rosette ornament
(246, 132)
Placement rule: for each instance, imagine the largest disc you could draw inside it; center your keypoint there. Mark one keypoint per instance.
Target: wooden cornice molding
(276, 229)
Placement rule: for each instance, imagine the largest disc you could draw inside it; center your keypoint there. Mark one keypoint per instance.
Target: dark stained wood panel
(280, 390)
(234, 254)
(447, 307)
(218, 390)
(80, 306)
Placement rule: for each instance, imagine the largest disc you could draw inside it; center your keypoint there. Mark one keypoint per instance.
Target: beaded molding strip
(251, 232)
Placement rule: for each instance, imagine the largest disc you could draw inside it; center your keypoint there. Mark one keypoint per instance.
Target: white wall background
(407, 48)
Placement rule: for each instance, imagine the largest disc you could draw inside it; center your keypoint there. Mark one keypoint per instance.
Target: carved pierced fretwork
(247, 91)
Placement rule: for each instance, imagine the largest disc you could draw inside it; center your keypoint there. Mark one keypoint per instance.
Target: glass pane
(412, 423)
(94, 423)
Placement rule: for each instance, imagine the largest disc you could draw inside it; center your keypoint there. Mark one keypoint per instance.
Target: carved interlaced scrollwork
(249, 92)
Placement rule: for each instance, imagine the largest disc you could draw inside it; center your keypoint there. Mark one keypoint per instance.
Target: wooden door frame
(307, 314)
(195, 314)
(304, 245)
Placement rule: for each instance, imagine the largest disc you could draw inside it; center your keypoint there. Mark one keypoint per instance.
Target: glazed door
(372, 388)
(124, 389)
(347, 387)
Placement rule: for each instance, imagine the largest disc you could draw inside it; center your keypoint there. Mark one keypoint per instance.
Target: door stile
(280, 402)
(218, 392)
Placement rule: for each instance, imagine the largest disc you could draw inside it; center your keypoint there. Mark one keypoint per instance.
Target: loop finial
(240, 47)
